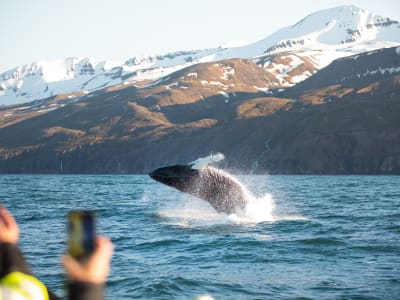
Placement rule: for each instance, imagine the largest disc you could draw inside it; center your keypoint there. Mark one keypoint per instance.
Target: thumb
(73, 267)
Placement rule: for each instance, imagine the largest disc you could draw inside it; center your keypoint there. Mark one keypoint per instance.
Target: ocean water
(302, 237)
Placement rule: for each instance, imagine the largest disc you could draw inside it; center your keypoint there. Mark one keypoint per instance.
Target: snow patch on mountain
(318, 38)
(382, 71)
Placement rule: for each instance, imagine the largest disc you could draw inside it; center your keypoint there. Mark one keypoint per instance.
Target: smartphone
(81, 234)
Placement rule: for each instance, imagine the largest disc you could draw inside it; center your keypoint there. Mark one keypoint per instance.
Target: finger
(104, 247)
(73, 267)
(6, 217)
(2, 212)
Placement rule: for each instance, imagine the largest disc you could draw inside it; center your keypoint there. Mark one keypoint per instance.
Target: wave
(322, 241)
(198, 213)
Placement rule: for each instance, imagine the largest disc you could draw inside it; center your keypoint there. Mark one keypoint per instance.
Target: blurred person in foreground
(85, 281)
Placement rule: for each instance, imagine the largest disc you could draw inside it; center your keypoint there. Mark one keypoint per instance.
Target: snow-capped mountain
(40, 80)
(315, 41)
(341, 120)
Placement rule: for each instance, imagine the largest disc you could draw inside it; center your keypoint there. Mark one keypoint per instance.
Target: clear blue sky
(32, 30)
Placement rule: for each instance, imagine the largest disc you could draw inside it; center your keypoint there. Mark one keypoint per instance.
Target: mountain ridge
(339, 32)
(324, 129)
(288, 112)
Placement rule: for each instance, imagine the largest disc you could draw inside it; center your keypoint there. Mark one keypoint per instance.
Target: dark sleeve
(11, 260)
(53, 296)
(85, 291)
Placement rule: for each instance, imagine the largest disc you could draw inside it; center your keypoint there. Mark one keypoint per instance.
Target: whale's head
(181, 177)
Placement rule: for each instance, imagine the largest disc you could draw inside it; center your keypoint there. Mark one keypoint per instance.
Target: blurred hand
(9, 231)
(96, 268)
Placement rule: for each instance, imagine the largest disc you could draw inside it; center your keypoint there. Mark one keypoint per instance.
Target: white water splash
(197, 213)
(257, 210)
(189, 218)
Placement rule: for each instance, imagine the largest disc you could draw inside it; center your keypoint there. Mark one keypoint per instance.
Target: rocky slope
(319, 97)
(342, 120)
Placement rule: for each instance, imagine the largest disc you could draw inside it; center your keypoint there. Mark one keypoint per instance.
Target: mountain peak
(343, 25)
(319, 38)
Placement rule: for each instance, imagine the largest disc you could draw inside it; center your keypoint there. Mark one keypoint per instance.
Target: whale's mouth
(176, 172)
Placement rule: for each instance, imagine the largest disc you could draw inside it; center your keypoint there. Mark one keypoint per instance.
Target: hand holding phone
(96, 268)
(89, 258)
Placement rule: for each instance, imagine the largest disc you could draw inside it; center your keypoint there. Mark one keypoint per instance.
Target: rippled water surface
(303, 237)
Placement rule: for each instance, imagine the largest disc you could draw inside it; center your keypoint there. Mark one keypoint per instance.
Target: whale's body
(215, 186)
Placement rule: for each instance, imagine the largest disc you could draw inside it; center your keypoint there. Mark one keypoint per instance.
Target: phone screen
(81, 233)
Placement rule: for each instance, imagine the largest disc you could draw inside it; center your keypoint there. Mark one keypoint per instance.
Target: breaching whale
(213, 185)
